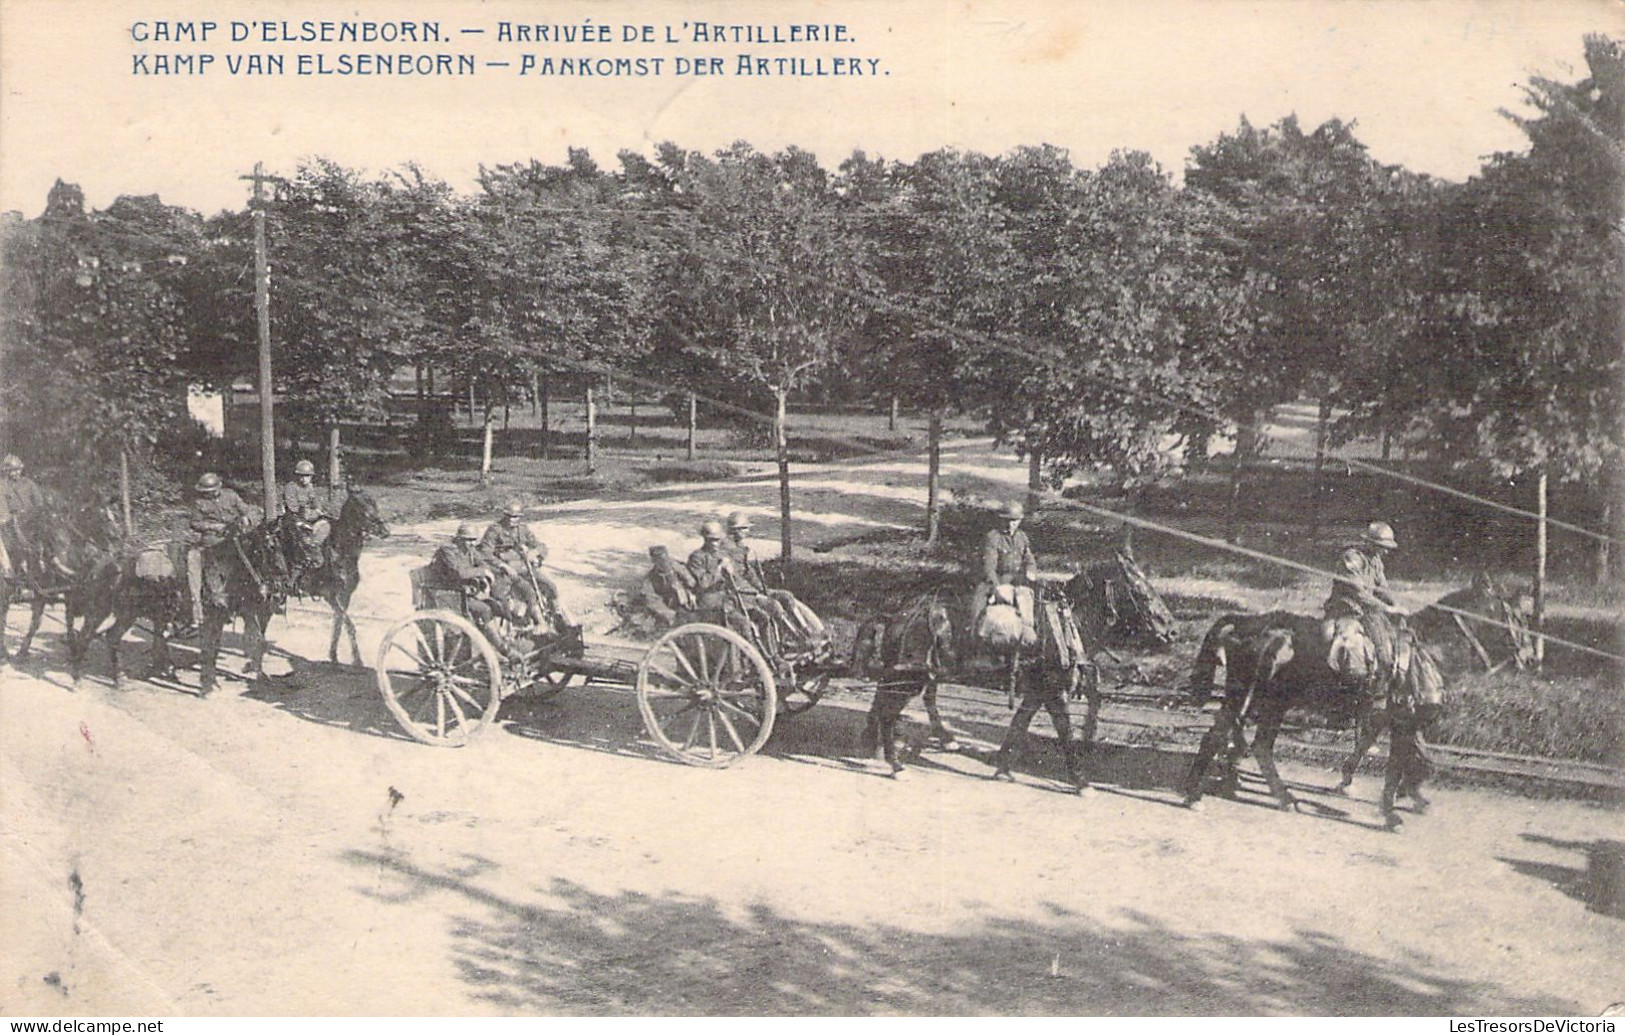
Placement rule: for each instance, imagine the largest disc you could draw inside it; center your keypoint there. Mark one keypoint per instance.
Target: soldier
(668, 589)
(1007, 560)
(305, 502)
(215, 510)
(515, 554)
(1360, 600)
(20, 501)
(462, 566)
(715, 581)
(779, 605)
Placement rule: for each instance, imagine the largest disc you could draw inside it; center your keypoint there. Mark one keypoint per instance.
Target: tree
(94, 328)
(771, 281)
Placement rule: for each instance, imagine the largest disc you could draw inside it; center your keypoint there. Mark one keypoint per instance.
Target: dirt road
(284, 850)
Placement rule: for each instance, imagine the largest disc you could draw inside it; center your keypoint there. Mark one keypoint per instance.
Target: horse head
(939, 621)
(1492, 619)
(360, 511)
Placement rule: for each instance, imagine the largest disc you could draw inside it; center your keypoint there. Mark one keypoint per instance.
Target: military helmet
(514, 509)
(12, 462)
(1013, 510)
(738, 520)
(209, 482)
(711, 530)
(465, 531)
(1380, 534)
(304, 467)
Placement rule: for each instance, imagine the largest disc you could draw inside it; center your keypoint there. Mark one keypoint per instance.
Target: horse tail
(1213, 653)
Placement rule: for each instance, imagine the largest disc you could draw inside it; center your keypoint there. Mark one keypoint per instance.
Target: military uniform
(1007, 558)
(710, 566)
(668, 591)
(210, 521)
(1359, 602)
(512, 545)
(460, 565)
(20, 499)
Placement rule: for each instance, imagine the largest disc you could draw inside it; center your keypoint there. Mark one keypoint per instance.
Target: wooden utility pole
(1540, 572)
(262, 309)
(693, 422)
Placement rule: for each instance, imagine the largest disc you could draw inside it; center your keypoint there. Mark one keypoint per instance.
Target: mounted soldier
(21, 501)
(307, 505)
(1358, 626)
(215, 511)
(1006, 567)
(516, 554)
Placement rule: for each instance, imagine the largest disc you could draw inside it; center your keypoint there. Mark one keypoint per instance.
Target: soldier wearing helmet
(215, 511)
(1006, 560)
(779, 607)
(716, 581)
(516, 556)
(20, 501)
(1360, 603)
(462, 566)
(306, 503)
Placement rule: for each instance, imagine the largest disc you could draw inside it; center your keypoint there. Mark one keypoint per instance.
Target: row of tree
(1090, 315)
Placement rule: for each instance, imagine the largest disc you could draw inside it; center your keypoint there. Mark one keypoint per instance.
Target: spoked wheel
(707, 695)
(801, 692)
(440, 678)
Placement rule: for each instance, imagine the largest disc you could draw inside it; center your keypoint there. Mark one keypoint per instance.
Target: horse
(1502, 639)
(914, 652)
(334, 582)
(70, 558)
(909, 654)
(254, 575)
(1277, 661)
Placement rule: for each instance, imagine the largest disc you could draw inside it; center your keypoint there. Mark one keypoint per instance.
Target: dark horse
(1277, 661)
(333, 582)
(61, 558)
(913, 653)
(1462, 644)
(151, 585)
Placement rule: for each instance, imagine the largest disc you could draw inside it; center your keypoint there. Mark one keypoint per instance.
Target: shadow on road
(575, 951)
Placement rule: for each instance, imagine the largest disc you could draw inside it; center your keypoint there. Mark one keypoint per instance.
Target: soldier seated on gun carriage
(793, 625)
(515, 556)
(462, 569)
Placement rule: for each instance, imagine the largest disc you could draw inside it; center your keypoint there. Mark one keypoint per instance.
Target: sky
(1422, 79)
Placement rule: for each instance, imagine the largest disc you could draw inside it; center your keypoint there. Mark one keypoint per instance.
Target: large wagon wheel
(707, 695)
(440, 678)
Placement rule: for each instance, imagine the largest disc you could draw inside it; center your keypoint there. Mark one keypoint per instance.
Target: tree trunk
(1249, 430)
(632, 436)
(1387, 445)
(334, 468)
(693, 423)
(933, 479)
(891, 421)
(473, 414)
(485, 443)
(592, 431)
(547, 428)
(1607, 530)
(1035, 481)
(781, 442)
(535, 392)
(417, 399)
(124, 490)
(1539, 618)
(1322, 424)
